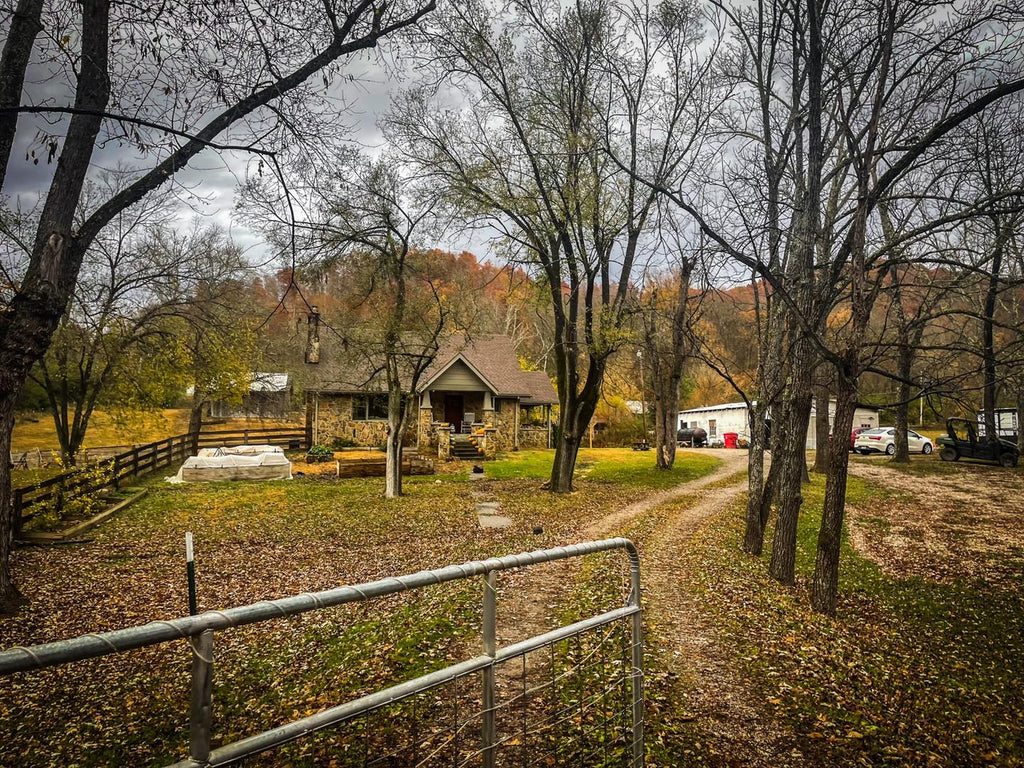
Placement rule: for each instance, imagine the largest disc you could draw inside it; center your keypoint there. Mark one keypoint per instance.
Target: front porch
(492, 423)
(476, 415)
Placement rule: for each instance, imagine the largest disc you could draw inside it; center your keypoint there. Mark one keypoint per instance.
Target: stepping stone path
(488, 517)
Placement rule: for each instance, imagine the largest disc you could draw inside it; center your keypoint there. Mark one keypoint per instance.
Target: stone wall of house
(443, 444)
(428, 431)
(533, 437)
(504, 422)
(335, 420)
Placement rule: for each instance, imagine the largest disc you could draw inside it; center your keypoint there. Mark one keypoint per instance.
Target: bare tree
(172, 80)
(893, 93)
(381, 213)
(367, 220)
(561, 105)
(137, 275)
(865, 104)
(669, 307)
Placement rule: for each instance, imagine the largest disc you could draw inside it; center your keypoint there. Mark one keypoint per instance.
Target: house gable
(458, 376)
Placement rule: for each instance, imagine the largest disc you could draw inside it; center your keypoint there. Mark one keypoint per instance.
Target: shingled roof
(541, 391)
(492, 358)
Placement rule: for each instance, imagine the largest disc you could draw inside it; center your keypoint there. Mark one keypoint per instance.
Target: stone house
(474, 393)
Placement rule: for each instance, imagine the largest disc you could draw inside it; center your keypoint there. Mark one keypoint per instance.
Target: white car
(883, 440)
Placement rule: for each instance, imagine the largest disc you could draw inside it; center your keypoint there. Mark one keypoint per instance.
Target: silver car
(883, 440)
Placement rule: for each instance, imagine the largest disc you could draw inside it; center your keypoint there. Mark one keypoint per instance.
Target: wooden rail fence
(142, 460)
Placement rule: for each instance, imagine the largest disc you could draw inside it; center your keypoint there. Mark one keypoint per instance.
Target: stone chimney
(313, 336)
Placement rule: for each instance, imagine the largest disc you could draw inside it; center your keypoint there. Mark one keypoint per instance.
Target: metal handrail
(199, 630)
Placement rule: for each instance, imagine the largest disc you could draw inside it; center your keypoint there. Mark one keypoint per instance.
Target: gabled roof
(541, 391)
(492, 359)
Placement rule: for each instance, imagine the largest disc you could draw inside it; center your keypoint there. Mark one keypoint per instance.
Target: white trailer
(1006, 423)
(716, 420)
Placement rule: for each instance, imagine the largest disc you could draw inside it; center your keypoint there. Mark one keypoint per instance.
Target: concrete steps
(463, 447)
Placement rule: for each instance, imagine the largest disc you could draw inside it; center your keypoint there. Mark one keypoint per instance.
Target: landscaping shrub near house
(318, 453)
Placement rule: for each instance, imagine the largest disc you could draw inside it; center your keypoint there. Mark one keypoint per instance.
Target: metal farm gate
(505, 711)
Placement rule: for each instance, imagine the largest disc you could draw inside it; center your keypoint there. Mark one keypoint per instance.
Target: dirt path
(537, 590)
(732, 462)
(719, 702)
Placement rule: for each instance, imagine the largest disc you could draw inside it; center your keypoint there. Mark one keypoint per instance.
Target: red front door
(453, 410)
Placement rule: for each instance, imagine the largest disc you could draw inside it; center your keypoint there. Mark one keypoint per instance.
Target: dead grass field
(35, 430)
(943, 522)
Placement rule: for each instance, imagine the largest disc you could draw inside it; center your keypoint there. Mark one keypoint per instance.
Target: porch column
(515, 433)
(487, 414)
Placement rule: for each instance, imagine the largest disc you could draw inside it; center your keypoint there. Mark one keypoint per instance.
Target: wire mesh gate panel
(569, 696)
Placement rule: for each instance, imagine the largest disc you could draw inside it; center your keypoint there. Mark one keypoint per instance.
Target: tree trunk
(822, 430)
(753, 539)
(195, 419)
(768, 497)
(398, 411)
(666, 421)
(565, 462)
(825, 588)
(760, 489)
(10, 597)
(576, 409)
(791, 456)
(793, 465)
(988, 391)
(21, 37)
(800, 280)
(902, 420)
(393, 462)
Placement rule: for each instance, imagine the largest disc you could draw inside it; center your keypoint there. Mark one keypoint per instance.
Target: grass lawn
(259, 541)
(606, 465)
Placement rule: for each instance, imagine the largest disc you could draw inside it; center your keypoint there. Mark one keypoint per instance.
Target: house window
(497, 405)
(369, 407)
(684, 425)
(712, 427)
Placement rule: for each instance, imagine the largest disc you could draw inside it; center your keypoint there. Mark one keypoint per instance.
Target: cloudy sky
(209, 185)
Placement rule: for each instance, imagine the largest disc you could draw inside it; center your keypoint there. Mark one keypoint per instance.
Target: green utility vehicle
(963, 442)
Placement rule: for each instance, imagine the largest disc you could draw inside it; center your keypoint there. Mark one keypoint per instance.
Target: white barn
(716, 420)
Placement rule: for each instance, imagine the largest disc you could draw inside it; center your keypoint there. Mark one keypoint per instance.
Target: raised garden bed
(375, 467)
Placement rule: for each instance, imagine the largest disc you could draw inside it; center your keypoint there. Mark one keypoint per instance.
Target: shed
(269, 397)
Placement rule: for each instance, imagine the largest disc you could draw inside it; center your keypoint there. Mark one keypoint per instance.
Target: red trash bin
(731, 439)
